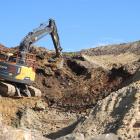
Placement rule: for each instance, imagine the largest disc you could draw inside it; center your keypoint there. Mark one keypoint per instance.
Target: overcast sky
(81, 23)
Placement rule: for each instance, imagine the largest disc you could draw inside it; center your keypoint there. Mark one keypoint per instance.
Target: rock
(40, 105)
(114, 114)
(110, 136)
(77, 136)
(9, 133)
(29, 119)
(40, 56)
(48, 71)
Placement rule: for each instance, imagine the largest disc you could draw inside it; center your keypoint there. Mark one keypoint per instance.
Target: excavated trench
(76, 68)
(76, 88)
(86, 95)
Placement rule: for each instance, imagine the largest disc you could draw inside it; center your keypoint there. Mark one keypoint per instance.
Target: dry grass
(107, 61)
(9, 107)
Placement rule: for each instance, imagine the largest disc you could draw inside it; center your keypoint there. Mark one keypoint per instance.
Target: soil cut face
(79, 84)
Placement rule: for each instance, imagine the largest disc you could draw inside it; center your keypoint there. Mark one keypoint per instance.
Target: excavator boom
(39, 33)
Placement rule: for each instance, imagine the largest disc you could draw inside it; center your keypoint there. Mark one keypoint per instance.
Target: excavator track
(7, 89)
(34, 91)
(12, 90)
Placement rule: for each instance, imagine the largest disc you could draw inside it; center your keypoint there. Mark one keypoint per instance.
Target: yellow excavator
(17, 71)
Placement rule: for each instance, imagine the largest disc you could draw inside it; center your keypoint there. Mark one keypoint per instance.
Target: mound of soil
(79, 84)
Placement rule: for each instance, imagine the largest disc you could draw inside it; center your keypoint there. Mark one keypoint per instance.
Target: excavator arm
(39, 33)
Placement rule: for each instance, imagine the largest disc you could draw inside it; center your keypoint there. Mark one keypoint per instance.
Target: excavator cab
(7, 57)
(29, 59)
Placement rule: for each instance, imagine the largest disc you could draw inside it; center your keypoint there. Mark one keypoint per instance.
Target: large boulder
(9, 133)
(79, 136)
(118, 113)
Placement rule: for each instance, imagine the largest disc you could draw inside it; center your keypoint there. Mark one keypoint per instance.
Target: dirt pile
(133, 47)
(80, 84)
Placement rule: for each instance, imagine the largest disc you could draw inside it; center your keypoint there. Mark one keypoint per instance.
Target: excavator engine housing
(11, 69)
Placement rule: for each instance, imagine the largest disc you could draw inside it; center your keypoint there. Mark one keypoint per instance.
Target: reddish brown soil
(77, 86)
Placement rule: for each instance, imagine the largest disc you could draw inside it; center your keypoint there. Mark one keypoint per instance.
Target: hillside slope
(95, 92)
